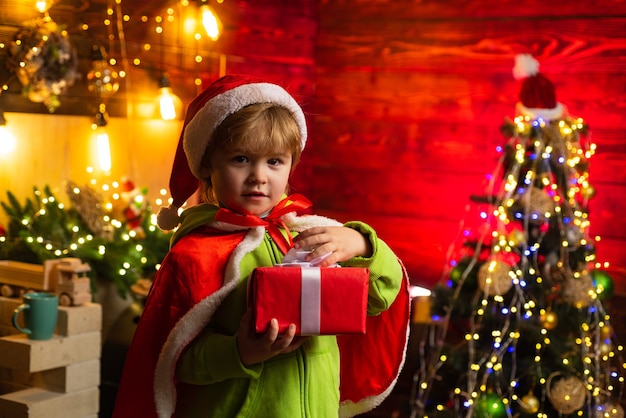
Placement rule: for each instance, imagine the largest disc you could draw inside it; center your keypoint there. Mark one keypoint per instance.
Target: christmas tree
(520, 322)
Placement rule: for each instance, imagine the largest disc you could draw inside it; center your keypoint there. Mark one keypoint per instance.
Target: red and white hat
(537, 96)
(205, 113)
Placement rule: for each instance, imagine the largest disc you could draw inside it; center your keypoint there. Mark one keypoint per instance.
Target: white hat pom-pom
(525, 66)
(167, 218)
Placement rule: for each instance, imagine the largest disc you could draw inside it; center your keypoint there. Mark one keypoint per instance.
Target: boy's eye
(274, 161)
(240, 159)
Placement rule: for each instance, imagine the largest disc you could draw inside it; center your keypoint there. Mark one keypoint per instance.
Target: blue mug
(40, 310)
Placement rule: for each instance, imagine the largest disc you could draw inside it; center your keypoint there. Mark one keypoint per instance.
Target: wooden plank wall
(410, 97)
(271, 39)
(405, 99)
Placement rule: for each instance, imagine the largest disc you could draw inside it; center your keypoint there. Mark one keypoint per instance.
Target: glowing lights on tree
(527, 287)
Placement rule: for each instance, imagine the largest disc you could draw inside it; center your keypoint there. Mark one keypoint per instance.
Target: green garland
(43, 228)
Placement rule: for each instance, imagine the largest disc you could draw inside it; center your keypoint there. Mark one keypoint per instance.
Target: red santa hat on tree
(537, 95)
(205, 113)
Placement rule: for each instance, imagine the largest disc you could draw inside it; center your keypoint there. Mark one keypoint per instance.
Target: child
(195, 353)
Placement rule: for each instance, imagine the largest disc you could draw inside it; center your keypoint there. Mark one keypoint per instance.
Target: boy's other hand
(255, 348)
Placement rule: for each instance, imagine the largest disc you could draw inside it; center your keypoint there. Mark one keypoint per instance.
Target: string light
(544, 182)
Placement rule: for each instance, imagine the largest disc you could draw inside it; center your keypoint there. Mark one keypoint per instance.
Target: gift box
(319, 300)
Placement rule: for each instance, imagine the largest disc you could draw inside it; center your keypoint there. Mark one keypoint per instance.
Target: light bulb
(210, 21)
(102, 139)
(170, 105)
(104, 151)
(167, 106)
(43, 5)
(7, 141)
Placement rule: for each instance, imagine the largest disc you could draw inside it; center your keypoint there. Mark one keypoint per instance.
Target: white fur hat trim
(199, 130)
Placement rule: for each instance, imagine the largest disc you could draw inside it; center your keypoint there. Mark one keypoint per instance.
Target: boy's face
(249, 183)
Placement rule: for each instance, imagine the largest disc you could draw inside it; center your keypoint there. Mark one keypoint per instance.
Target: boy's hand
(343, 244)
(255, 348)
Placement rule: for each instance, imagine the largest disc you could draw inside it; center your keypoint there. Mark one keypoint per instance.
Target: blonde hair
(260, 128)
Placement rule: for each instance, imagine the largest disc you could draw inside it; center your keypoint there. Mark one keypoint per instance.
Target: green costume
(202, 286)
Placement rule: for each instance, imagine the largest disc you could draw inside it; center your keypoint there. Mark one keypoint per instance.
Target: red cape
(370, 363)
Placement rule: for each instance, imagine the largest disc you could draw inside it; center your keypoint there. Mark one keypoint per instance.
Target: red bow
(272, 222)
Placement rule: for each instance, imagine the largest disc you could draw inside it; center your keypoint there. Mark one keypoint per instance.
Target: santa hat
(537, 96)
(205, 113)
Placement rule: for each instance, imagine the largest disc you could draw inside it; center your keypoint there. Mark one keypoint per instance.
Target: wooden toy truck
(66, 277)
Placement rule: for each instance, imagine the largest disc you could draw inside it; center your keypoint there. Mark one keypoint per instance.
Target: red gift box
(319, 300)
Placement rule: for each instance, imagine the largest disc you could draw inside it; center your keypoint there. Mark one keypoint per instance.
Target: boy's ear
(205, 172)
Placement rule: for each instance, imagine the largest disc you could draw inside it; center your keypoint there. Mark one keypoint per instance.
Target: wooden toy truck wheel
(65, 300)
(6, 291)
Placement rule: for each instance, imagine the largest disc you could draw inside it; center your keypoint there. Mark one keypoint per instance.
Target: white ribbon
(310, 300)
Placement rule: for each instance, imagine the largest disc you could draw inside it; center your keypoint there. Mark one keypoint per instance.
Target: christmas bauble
(517, 237)
(603, 284)
(588, 192)
(567, 394)
(605, 348)
(549, 320)
(462, 273)
(537, 203)
(489, 405)
(494, 277)
(529, 404)
(578, 290)
(102, 79)
(456, 274)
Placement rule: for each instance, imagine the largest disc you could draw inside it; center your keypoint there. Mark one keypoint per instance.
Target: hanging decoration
(44, 61)
(102, 79)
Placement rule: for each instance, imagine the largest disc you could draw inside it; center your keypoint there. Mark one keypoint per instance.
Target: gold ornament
(517, 237)
(537, 202)
(494, 278)
(529, 403)
(549, 320)
(578, 290)
(567, 394)
(588, 192)
(605, 349)
(101, 79)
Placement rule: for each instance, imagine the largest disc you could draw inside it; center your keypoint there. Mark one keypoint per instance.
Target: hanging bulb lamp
(102, 139)
(170, 105)
(211, 23)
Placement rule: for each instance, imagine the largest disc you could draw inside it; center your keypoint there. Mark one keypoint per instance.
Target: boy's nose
(258, 175)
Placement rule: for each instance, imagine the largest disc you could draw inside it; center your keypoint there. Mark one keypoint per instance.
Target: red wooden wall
(405, 99)
(410, 96)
